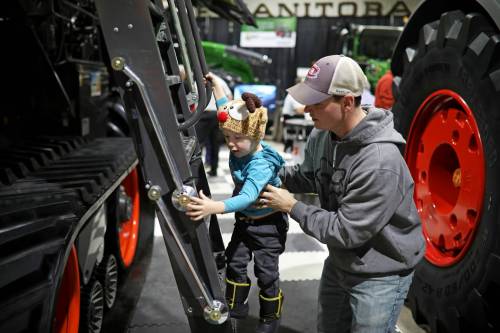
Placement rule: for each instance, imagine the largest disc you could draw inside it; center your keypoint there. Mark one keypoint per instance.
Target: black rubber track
(460, 52)
(46, 186)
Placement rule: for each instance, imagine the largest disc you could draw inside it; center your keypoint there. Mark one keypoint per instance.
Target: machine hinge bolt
(180, 199)
(217, 313)
(118, 63)
(154, 192)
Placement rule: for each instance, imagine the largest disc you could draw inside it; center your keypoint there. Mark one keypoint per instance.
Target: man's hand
(277, 198)
(203, 206)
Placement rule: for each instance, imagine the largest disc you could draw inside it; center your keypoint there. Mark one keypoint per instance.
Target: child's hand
(203, 206)
(210, 78)
(216, 86)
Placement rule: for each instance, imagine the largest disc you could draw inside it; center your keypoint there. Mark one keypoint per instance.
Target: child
(261, 231)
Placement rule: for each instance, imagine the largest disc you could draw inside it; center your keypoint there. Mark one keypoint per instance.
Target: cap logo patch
(340, 91)
(313, 72)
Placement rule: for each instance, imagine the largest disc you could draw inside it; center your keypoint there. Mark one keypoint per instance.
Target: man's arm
(371, 199)
(300, 178)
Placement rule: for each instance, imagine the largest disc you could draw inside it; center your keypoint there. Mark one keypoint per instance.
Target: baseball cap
(332, 75)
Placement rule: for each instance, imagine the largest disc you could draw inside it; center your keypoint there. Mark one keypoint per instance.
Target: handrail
(199, 47)
(193, 55)
(182, 43)
(153, 9)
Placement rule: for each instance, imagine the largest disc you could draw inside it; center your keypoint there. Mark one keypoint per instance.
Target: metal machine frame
(141, 48)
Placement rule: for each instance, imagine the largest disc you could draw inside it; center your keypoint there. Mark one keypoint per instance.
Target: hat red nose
(222, 116)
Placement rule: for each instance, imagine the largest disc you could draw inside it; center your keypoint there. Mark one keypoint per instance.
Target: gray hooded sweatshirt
(367, 217)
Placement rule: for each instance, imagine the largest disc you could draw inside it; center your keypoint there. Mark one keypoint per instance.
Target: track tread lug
(484, 53)
(428, 35)
(450, 26)
(409, 55)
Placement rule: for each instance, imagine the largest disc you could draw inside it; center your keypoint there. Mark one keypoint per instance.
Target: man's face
(327, 115)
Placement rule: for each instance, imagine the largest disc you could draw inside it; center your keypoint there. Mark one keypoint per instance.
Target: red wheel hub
(446, 159)
(129, 229)
(67, 312)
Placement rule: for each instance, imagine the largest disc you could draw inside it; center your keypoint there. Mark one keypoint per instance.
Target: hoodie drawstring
(334, 155)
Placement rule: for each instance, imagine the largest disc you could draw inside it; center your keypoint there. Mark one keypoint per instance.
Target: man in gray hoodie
(367, 217)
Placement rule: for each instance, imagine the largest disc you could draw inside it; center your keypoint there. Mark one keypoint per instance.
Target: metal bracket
(173, 79)
(217, 313)
(181, 199)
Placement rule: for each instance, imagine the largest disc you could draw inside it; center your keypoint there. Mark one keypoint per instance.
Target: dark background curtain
(315, 39)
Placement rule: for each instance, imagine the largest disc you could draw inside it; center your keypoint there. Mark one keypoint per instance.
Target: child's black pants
(265, 238)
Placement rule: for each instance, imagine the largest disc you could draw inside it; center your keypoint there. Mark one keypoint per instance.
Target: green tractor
(370, 45)
(241, 65)
(243, 70)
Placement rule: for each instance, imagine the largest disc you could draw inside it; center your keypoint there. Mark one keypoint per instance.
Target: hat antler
(252, 101)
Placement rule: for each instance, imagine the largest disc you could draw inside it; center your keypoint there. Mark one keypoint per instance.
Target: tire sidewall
(445, 68)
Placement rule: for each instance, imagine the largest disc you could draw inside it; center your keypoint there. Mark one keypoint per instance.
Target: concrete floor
(149, 302)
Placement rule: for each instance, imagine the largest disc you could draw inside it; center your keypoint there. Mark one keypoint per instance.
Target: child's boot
(270, 313)
(237, 298)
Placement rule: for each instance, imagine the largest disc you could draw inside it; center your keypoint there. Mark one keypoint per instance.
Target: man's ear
(348, 102)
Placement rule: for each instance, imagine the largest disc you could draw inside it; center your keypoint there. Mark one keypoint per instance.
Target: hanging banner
(322, 8)
(270, 32)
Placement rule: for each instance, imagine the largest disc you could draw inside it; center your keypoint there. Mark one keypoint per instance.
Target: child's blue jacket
(251, 174)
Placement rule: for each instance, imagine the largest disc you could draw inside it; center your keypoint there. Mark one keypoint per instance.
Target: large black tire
(461, 53)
